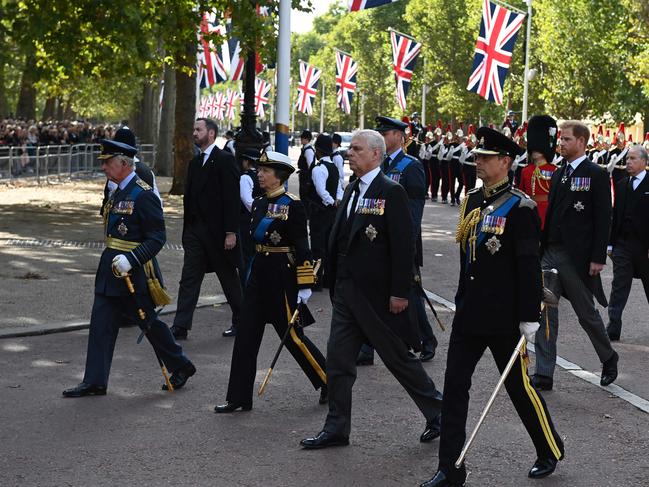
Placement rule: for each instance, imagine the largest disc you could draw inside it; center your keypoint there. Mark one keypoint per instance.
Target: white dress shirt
(246, 185)
(319, 177)
(207, 152)
(638, 179)
(340, 165)
(309, 155)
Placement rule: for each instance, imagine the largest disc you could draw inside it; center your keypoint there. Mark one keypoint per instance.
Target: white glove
(121, 264)
(611, 164)
(303, 295)
(528, 329)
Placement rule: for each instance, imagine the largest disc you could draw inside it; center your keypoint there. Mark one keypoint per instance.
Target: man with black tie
(408, 171)
(211, 222)
(370, 252)
(574, 242)
(629, 242)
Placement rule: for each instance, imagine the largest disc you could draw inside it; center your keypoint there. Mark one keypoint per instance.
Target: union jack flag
(493, 51)
(212, 69)
(346, 69)
(231, 104)
(307, 87)
(202, 106)
(262, 96)
(209, 106)
(218, 106)
(355, 5)
(405, 51)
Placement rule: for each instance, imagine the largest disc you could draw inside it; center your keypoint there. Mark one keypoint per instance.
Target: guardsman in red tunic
(541, 144)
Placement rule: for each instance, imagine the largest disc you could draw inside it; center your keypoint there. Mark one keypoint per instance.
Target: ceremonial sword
(145, 328)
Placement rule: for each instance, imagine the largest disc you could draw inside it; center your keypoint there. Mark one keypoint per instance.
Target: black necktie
(570, 170)
(202, 159)
(352, 210)
(631, 181)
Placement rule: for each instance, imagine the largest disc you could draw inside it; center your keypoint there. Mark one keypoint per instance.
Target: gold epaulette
(292, 196)
(142, 184)
(305, 274)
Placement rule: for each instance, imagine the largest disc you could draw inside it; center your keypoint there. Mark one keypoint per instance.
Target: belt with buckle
(273, 250)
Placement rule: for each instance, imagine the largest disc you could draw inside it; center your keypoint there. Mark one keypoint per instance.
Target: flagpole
(390, 29)
(526, 81)
(423, 96)
(322, 107)
(283, 73)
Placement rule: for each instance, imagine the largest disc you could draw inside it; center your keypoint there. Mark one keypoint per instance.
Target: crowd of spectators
(24, 136)
(30, 133)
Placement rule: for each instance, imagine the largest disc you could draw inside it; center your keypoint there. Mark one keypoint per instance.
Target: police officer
(498, 299)
(307, 156)
(135, 233)
(324, 193)
(337, 158)
(229, 142)
(249, 189)
(281, 277)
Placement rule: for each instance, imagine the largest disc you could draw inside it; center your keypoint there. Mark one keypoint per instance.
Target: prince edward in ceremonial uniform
(498, 299)
(135, 232)
(371, 255)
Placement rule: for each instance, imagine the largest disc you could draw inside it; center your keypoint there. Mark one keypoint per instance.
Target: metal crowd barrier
(48, 163)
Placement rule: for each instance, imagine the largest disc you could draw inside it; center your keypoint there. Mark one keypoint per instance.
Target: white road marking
(615, 390)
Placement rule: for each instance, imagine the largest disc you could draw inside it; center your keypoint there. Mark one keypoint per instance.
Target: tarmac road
(140, 435)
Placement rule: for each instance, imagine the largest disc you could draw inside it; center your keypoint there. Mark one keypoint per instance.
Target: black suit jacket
(380, 257)
(640, 210)
(584, 219)
(212, 193)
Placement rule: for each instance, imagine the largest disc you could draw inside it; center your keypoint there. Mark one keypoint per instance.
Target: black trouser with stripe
(445, 176)
(463, 355)
(270, 297)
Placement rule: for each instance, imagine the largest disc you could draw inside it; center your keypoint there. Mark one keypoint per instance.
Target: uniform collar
(126, 180)
(496, 188)
(279, 191)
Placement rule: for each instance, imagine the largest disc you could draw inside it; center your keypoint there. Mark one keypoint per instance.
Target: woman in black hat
(280, 277)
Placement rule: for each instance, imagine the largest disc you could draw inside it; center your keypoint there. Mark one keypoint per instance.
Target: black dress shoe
(542, 382)
(365, 359)
(542, 468)
(441, 480)
(609, 370)
(179, 332)
(180, 377)
(324, 395)
(230, 407)
(427, 354)
(432, 430)
(84, 389)
(613, 335)
(324, 440)
(230, 332)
